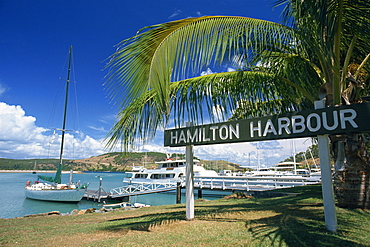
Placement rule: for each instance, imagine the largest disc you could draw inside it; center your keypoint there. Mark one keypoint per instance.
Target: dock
(141, 189)
(224, 183)
(123, 193)
(251, 183)
(95, 195)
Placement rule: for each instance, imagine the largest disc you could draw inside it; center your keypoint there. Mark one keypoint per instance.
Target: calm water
(14, 204)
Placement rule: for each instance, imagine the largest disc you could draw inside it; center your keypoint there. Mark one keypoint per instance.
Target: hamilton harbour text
(223, 132)
(301, 124)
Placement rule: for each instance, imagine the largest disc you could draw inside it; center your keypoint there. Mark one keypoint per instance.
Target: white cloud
(101, 128)
(174, 14)
(21, 138)
(108, 119)
(2, 90)
(15, 126)
(207, 72)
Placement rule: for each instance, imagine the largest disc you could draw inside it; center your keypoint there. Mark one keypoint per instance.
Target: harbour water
(14, 204)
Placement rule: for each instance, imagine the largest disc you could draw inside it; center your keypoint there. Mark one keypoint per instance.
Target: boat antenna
(65, 104)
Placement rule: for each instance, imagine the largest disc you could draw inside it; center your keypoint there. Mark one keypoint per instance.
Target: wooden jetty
(251, 183)
(240, 183)
(95, 195)
(123, 193)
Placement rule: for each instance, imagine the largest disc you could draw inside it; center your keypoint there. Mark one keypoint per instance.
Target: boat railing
(142, 188)
(249, 182)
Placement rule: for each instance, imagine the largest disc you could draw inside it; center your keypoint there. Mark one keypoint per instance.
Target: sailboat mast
(65, 104)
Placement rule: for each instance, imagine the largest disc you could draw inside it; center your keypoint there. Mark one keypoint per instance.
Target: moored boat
(140, 205)
(55, 190)
(168, 171)
(286, 170)
(118, 205)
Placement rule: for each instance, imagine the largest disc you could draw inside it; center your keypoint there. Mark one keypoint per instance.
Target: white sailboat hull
(57, 195)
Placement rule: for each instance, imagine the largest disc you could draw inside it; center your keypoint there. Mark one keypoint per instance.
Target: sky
(34, 40)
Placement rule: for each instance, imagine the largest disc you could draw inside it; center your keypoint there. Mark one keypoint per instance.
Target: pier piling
(200, 194)
(178, 193)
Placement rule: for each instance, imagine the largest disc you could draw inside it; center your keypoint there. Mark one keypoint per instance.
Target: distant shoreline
(37, 171)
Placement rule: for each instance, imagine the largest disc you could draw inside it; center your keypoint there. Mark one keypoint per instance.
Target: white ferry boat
(286, 170)
(168, 171)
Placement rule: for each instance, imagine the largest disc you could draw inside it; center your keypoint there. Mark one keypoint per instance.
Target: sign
(331, 120)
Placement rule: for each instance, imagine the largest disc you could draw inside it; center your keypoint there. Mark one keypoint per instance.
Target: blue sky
(35, 37)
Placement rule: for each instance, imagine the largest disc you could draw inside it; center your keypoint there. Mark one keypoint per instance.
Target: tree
(321, 52)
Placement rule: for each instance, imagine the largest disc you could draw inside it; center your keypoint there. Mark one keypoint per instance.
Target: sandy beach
(37, 171)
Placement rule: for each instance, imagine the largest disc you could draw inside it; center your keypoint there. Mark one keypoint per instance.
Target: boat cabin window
(141, 175)
(162, 176)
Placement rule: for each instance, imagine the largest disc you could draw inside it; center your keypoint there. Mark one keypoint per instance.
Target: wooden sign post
(189, 183)
(321, 122)
(326, 178)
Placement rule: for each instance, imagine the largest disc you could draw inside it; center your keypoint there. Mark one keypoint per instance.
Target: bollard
(200, 194)
(178, 193)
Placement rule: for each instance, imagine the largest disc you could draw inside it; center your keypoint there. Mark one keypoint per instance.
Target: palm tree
(262, 67)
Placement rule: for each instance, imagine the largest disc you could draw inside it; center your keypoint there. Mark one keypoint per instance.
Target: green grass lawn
(279, 221)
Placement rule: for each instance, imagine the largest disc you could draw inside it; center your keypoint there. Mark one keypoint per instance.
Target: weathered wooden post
(100, 188)
(189, 180)
(178, 193)
(200, 194)
(326, 178)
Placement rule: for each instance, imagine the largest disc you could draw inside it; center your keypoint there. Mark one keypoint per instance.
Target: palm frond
(154, 75)
(328, 28)
(181, 49)
(196, 99)
(135, 123)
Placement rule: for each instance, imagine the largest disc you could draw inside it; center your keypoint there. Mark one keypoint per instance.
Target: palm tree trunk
(351, 178)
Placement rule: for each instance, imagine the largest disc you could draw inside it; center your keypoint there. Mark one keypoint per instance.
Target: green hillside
(116, 161)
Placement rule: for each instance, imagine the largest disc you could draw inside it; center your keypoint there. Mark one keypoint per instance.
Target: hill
(118, 161)
(109, 162)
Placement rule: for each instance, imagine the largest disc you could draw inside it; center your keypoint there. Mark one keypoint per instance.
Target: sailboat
(55, 190)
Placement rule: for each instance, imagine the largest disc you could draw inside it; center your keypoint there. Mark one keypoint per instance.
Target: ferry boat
(168, 171)
(286, 170)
